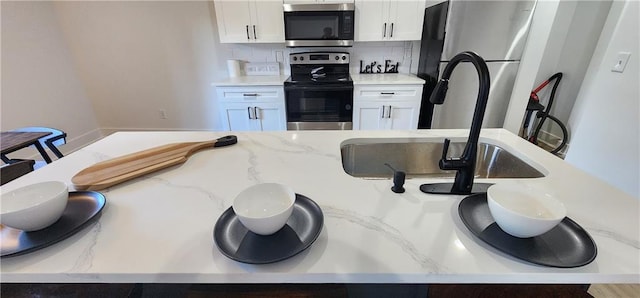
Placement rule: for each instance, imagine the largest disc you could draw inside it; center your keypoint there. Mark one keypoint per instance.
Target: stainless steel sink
(419, 158)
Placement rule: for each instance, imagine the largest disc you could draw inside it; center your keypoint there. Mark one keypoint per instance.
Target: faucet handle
(445, 149)
(449, 163)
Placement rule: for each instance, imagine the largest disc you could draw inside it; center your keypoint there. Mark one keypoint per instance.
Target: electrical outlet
(162, 114)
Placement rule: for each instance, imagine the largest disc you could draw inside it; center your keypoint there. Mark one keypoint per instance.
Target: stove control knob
(295, 58)
(301, 58)
(344, 57)
(337, 57)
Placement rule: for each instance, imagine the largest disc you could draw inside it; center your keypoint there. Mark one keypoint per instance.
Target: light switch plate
(621, 61)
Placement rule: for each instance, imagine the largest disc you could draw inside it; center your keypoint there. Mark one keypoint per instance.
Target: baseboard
(76, 143)
(108, 131)
(73, 144)
(552, 141)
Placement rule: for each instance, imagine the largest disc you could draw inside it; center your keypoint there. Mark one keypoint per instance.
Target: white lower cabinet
(252, 109)
(253, 117)
(386, 107)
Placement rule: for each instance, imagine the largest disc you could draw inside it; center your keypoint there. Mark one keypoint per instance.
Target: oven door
(319, 107)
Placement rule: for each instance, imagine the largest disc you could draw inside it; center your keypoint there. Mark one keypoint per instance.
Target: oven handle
(318, 88)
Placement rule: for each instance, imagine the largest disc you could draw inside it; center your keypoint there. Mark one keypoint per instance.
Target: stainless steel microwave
(319, 25)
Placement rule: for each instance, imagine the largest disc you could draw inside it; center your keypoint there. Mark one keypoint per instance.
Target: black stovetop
(342, 79)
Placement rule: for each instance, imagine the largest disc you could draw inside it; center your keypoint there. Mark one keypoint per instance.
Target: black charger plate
(82, 208)
(301, 230)
(566, 246)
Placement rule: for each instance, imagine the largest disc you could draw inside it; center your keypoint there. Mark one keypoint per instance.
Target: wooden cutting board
(114, 171)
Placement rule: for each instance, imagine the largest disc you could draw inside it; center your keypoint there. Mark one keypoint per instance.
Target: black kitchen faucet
(464, 165)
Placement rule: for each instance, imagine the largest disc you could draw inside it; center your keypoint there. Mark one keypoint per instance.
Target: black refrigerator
(495, 30)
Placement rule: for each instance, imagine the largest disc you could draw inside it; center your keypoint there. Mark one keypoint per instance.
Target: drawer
(236, 94)
(383, 92)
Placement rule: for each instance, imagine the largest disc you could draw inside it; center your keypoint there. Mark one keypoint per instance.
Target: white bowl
(524, 211)
(34, 207)
(264, 208)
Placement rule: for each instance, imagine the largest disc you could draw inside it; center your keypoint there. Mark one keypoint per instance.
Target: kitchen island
(158, 228)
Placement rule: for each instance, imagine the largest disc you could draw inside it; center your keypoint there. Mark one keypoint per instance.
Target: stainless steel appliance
(319, 25)
(319, 92)
(495, 30)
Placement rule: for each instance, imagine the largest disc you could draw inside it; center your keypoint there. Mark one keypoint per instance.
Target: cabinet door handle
(387, 93)
(255, 113)
(389, 112)
(255, 36)
(248, 37)
(382, 116)
(249, 112)
(384, 31)
(391, 35)
(250, 94)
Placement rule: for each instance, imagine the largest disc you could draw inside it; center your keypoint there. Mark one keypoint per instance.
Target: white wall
(576, 49)
(40, 86)
(606, 139)
(136, 58)
(562, 39)
(546, 18)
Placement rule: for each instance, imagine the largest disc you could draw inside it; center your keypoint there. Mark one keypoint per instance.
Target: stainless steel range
(319, 92)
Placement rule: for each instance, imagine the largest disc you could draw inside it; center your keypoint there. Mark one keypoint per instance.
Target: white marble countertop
(251, 81)
(158, 228)
(386, 79)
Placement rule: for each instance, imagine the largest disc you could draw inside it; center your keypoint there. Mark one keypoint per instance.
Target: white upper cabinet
(385, 20)
(241, 21)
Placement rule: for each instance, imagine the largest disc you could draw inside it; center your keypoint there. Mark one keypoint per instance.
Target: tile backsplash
(403, 52)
